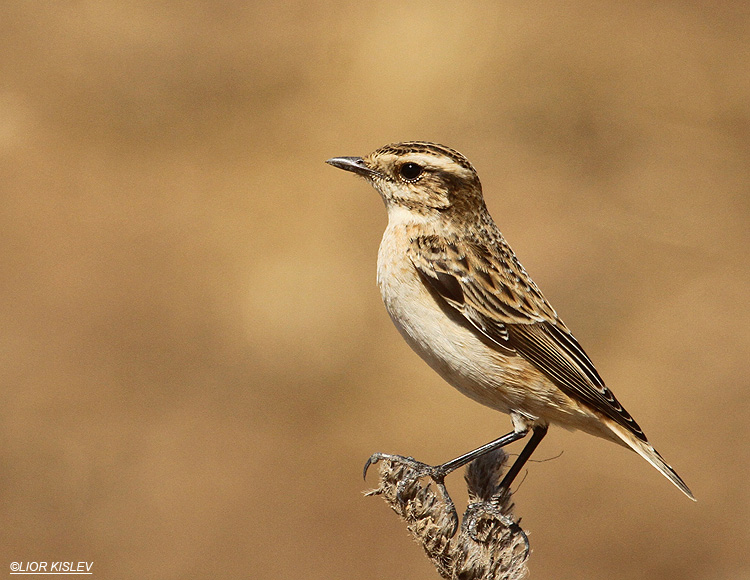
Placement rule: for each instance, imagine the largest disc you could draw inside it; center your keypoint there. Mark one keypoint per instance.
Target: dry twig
(490, 544)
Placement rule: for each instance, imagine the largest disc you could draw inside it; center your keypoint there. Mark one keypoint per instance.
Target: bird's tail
(647, 451)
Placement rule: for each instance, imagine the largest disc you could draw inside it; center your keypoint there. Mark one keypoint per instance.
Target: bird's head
(421, 177)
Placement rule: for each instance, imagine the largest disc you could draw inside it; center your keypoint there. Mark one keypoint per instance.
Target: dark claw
(372, 460)
(516, 528)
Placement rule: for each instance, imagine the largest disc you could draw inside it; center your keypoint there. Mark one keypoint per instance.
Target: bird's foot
(399, 480)
(486, 520)
(411, 471)
(419, 469)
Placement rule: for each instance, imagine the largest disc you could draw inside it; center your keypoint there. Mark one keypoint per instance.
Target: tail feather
(647, 451)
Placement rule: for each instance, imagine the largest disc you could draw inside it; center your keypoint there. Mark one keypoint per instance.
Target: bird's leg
(466, 458)
(438, 472)
(537, 434)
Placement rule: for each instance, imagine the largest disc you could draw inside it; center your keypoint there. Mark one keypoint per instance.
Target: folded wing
(492, 291)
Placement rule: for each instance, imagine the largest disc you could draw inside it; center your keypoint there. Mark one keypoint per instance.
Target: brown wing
(493, 292)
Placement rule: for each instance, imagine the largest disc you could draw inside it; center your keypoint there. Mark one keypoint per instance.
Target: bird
(461, 299)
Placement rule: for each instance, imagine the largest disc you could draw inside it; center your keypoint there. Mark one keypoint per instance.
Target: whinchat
(461, 299)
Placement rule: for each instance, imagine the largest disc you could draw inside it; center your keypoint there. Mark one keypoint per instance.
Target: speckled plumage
(461, 299)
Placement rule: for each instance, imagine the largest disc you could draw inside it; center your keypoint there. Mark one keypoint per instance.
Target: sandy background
(195, 359)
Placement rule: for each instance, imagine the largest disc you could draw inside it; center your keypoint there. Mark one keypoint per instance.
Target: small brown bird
(459, 296)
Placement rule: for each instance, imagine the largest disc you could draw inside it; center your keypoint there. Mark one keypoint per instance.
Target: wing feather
(490, 288)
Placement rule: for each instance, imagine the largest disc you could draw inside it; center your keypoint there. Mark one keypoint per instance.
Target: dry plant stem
(489, 545)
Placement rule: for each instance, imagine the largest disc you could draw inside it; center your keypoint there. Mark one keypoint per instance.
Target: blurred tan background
(195, 359)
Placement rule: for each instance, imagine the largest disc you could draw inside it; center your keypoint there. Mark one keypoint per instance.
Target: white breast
(438, 334)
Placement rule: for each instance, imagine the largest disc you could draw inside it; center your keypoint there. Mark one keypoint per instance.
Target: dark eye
(411, 171)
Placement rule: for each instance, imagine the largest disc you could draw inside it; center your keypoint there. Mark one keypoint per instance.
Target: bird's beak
(353, 164)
